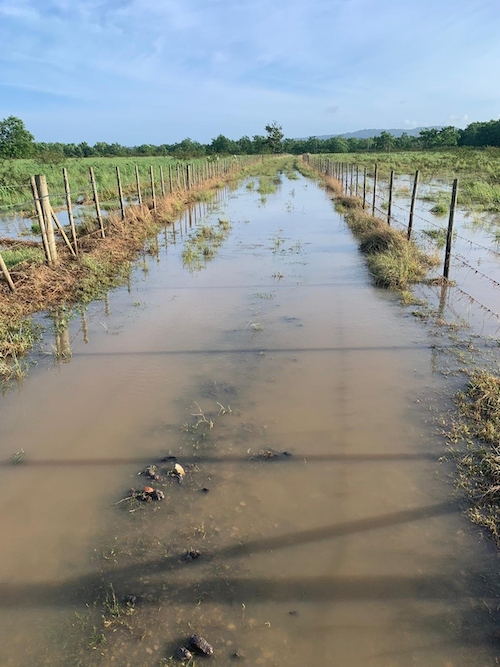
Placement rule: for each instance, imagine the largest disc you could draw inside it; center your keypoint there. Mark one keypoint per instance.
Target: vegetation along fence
(175, 179)
(358, 183)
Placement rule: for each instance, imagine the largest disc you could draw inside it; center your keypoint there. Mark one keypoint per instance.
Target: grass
(440, 209)
(202, 246)
(267, 186)
(479, 468)
(436, 235)
(24, 254)
(393, 260)
(478, 171)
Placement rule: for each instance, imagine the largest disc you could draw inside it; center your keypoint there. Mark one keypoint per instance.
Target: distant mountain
(368, 134)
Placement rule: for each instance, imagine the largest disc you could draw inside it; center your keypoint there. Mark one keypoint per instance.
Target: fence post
(412, 205)
(120, 192)
(389, 207)
(70, 210)
(357, 179)
(449, 235)
(364, 188)
(352, 179)
(188, 176)
(6, 273)
(162, 181)
(346, 175)
(96, 201)
(41, 221)
(170, 184)
(153, 195)
(62, 232)
(138, 182)
(43, 197)
(375, 189)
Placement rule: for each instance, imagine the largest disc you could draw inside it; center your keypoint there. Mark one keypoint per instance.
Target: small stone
(293, 612)
(205, 490)
(201, 645)
(238, 656)
(192, 554)
(183, 654)
(158, 495)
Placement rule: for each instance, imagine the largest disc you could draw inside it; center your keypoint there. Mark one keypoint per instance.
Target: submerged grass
(102, 263)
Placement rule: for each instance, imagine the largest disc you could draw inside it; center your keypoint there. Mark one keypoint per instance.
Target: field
(15, 176)
(478, 171)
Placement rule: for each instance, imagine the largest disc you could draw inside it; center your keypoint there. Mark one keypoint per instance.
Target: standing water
(299, 401)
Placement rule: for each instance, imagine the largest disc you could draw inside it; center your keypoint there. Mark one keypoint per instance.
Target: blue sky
(156, 71)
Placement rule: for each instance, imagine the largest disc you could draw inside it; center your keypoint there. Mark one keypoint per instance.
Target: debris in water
(270, 454)
(158, 495)
(169, 458)
(205, 490)
(18, 457)
(192, 554)
(148, 489)
(183, 654)
(201, 645)
(238, 656)
(151, 472)
(178, 472)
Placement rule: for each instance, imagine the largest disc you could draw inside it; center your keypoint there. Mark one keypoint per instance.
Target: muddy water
(349, 550)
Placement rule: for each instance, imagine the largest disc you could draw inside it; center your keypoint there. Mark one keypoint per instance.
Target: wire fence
(365, 188)
(164, 180)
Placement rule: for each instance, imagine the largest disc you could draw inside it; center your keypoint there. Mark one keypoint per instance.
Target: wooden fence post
(41, 221)
(449, 235)
(162, 181)
(138, 182)
(364, 188)
(70, 210)
(170, 183)
(96, 202)
(153, 195)
(412, 205)
(5, 271)
(43, 197)
(188, 176)
(120, 192)
(357, 179)
(374, 206)
(389, 206)
(351, 187)
(62, 232)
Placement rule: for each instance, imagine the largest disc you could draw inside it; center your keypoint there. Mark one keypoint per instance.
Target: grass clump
(479, 467)
(437, 235)
(203, 244)
(440, 209)
(24, 254)
(267, 186)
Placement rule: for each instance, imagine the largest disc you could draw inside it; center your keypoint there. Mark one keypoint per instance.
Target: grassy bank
(478, 425)
(15, 177)
(477, 169)
(393, 260)
(102, 263)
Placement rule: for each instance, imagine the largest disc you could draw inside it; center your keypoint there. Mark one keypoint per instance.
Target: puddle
(349, 550)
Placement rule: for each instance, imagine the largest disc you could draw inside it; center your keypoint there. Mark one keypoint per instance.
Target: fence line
(188, 177)
(340, 170)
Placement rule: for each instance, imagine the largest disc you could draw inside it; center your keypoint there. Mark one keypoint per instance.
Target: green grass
(14, 257)
(267, 186)
(436, 235)
(18, 172)
(478, 171)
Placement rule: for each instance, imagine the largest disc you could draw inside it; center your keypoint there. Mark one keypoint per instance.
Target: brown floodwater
(352, 550)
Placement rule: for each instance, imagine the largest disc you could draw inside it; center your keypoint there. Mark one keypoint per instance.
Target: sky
(157, 71)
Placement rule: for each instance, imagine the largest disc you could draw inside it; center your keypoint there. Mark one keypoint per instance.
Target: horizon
(137, 72)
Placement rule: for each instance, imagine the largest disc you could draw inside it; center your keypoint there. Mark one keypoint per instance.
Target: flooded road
(348, 549)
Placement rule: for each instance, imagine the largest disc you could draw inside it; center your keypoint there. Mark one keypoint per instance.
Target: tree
(15, 140)
(274, 137)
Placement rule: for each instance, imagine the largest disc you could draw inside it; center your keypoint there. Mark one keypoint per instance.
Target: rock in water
(183, 654)
(201, 645)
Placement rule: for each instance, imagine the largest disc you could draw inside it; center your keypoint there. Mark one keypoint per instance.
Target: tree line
(17, 142)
